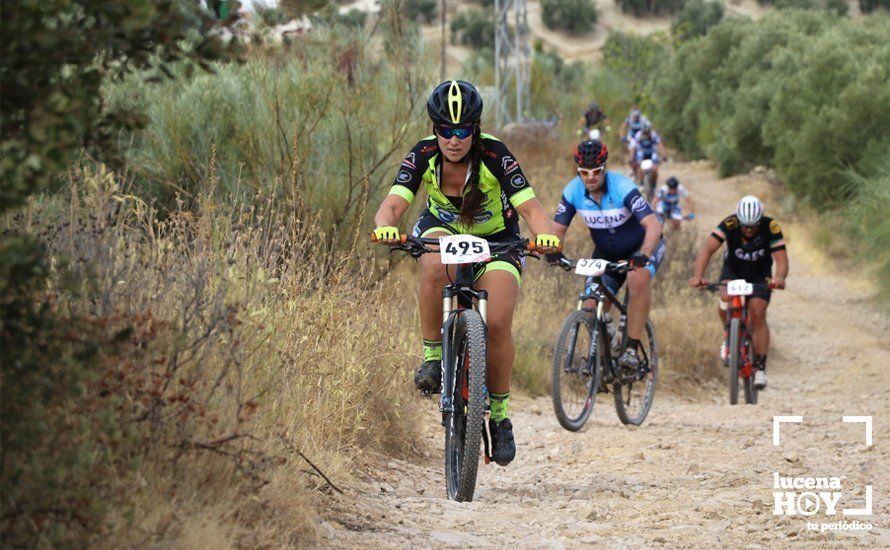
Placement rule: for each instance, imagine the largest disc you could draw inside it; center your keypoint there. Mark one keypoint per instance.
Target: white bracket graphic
(864, 420)
(777, 420)
(861, 511)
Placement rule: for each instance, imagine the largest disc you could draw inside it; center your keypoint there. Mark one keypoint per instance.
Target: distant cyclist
(594, 118)
(622, 226)
(753, 241)
(632, 124)
(646, 144)
(668, 205)
(473, 185)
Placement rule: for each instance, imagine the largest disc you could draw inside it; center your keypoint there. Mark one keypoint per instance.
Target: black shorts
(727, 274)
(428, 223)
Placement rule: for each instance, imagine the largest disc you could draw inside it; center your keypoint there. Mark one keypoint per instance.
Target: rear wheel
(575, 375)
(634, 392)
(463, 427)
(735, 357)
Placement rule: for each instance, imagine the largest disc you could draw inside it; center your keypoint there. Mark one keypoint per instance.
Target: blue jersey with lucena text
(614, 222)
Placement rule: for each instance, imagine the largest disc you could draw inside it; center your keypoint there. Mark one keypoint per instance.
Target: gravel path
(699, 472)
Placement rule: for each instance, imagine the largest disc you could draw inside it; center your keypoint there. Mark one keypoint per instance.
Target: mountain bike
(646, 184)
(585, 357)
(464, 399)
(738, 337)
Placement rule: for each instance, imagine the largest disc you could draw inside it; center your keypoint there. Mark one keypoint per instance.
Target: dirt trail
(699, 472)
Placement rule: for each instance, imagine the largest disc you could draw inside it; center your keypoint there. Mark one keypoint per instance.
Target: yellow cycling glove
(547, 241)
(387, 233)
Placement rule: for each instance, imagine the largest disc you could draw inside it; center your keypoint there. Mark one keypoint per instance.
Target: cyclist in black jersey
(592, 118)
(474, 185)
(753, 241)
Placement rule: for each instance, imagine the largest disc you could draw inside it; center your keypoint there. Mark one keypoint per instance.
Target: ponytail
(472, 200)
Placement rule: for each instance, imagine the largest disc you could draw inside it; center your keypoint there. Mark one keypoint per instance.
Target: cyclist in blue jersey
(667, 203)
(622, 226)
(646, 144)
(632, 124)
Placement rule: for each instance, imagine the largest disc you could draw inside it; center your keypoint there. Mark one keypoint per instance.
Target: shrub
(868, 6)
(649, 7)
(696, 18)
(804, 92)
(573, 16)
(473, 27)
(343, 112)
(422, 11)
(634, 57)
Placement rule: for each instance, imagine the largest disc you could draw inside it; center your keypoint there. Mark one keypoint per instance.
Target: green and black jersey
(500, 179)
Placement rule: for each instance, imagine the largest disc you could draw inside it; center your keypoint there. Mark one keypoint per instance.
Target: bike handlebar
(417, 246)
(716, 287)
(618, 268)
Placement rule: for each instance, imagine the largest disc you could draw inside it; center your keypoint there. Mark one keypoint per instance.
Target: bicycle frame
(599, 292)
(739, 310)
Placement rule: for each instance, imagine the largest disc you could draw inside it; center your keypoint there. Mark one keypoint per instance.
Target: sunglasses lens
(591, 171)
(460, 133)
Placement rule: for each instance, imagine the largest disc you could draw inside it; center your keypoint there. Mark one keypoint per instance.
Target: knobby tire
(566, 370)
(735, 356)
(750, 389)
(624, 393)
(463, 429)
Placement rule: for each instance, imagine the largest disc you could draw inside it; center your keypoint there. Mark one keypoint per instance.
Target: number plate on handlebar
(739, 287)
(463, 249)
(591, 267)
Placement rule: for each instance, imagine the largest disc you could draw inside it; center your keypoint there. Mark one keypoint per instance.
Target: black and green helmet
(455, 103)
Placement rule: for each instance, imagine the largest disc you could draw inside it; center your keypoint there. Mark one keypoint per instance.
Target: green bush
(423, 11)
(635, 58)
(649, 7)
(804, 92)
(572, 16)
(473, 27)
(696, 18)
(868, 6)
(322, 123)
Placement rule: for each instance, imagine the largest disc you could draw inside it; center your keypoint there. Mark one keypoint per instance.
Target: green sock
(499, 403)
(432, 350)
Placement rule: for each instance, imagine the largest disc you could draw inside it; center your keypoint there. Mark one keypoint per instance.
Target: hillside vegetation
(198, 344)
(803, 92)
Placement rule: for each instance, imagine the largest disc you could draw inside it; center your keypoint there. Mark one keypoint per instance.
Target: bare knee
(499, 327)
(433, 273)
(758, 317)
(638, 282)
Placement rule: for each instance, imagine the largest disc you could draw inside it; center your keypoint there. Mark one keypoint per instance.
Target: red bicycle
(738, 336)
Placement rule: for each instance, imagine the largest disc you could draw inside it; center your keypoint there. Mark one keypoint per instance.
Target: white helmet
(749, 210)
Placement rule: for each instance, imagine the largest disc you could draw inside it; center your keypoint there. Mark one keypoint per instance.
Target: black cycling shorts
(428, 223)
(757, 277)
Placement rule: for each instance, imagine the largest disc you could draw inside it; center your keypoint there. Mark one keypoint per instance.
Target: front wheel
(463, 426)
(735, 357)
(634, 392)
(576, 374)
(750, 388)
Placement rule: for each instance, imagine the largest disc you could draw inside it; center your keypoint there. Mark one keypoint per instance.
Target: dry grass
(258, 351)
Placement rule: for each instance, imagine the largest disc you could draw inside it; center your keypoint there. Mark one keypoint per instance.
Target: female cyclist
(474, 185)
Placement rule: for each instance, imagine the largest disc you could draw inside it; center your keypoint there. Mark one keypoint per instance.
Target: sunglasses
(587, 172)
(448, 132)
